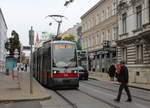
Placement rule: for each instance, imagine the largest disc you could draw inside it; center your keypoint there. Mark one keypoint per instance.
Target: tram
(55, 64)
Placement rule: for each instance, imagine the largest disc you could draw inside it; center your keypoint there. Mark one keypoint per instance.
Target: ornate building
(99, 34)
(3, 38)
(133, 42)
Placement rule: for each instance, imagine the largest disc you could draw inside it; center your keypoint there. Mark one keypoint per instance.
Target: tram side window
(44, 61)
(49, 59)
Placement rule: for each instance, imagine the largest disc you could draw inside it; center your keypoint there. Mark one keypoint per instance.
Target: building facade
(3, 38)
(73, 31)
(133, 41)
(99, 31)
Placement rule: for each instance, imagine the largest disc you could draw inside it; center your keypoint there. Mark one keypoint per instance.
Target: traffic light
(105, 44)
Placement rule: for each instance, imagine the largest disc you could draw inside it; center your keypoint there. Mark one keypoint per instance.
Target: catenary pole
(31, 41)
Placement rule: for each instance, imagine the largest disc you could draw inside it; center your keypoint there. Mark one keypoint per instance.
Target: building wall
(99, 24)
(73, 30)
(133, 46)
(3, 38)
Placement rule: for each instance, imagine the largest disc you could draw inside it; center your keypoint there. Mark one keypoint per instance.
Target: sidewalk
(105, 77)
(10, 91)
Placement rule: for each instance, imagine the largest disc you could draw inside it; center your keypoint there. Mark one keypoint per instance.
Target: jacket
(123, 76)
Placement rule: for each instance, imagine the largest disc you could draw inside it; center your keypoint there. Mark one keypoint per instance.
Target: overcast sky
(20, 15)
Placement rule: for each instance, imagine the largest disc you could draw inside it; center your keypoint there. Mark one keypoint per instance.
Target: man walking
(123, 79)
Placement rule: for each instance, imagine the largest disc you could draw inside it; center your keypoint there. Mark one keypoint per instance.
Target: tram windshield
(64, 55)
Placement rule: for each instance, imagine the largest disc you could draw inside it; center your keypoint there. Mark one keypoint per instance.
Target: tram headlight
(74, 71)
(55, 71)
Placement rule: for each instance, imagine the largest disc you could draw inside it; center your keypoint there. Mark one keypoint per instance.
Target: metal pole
(19, 68)
(31, 89)
(31, 41)
(59, 23)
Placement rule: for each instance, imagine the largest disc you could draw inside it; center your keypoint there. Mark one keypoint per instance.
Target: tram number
(65, 74)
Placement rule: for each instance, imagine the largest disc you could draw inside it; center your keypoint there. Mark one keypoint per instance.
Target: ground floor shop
(100, 60)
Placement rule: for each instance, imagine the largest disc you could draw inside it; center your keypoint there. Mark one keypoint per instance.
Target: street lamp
(31, 42)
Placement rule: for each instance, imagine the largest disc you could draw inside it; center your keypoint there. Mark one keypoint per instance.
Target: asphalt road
(91, 94)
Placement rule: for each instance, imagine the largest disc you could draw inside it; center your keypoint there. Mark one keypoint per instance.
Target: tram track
(98, 86)
(66, 99)
(85, 93)
(99, 99)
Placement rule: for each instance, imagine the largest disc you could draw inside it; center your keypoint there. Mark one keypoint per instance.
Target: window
(108, 12)
(103, 37)
(97, 38)
(124, 23)
(97, 19)
(124, 54)
(109, 37)
(139, 54)
(88, 42)
(114, 7)
(113, 33)
(103, 15)
(139, 16)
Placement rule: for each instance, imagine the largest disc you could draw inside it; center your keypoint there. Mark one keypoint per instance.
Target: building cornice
(133, 39)
(92, 9)
(3, 18)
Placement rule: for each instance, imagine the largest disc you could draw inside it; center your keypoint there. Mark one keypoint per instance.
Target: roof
(93, 8)
(3, 18)
(62, 41)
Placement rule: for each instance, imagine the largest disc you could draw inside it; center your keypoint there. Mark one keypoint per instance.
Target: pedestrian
(123, 79)
(111, 72)
(22, 66)
(26, 67)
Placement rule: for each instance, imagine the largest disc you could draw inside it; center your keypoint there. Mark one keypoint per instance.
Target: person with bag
(123, 79)
(117, 71)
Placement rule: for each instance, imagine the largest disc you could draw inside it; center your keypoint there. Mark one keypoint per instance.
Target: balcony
(122, 6)
(133, 2)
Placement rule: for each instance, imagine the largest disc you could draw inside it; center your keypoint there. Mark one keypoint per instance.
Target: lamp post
(31, 42)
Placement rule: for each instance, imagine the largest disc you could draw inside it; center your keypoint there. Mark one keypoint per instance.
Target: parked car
(83, 73)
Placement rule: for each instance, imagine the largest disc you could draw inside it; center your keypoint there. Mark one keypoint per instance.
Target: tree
(72, 38)
(13, 43)
(79, 46)
(69, 38)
